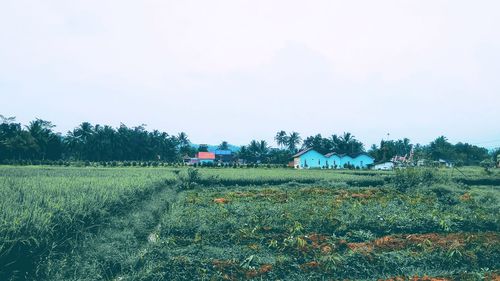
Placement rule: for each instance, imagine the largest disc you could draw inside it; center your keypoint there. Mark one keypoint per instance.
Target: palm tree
(254, 147)
(183, 139)
(79, 140)
(281, 138)
(263, 148)
(223, 146)
(84, 131)
(293, 141)
(7, 120)
(347, 137)
(336, 143)
(41, 131)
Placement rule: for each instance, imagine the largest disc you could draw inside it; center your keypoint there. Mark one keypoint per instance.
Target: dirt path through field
(112, 251)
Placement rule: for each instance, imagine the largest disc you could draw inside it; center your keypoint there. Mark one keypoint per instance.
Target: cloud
(237, 70)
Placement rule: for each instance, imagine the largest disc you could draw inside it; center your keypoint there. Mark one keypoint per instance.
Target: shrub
(445, 194)
(189, 179)
(413, 177)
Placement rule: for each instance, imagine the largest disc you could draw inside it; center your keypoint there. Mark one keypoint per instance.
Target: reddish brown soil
(465, 197)
(416, 278)
(453, 240)
(221, 200)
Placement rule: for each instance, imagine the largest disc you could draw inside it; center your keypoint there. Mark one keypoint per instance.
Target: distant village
(311, 159)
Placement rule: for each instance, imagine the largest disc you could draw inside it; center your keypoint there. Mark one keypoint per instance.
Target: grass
(307, 233)
(44, 207)
(168, 224)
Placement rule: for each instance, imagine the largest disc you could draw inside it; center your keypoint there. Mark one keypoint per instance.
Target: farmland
(88, 223)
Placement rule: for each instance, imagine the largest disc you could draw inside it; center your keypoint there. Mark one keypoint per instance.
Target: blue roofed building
(310, 158)
(223, 155)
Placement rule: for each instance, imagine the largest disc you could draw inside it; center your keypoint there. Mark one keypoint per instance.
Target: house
(223, 155)
(422, 162)
(389, 165)
(310, 158)
(444, 163)
(205, 157)
(362, 160)
(333, 160)
(186, 159)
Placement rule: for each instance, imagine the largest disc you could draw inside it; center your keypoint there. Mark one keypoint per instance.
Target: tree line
(88, 142)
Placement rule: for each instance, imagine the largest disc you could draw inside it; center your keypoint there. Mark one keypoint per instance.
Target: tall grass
(43, 207)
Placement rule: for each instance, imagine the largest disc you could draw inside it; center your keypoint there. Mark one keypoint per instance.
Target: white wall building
(384, 166)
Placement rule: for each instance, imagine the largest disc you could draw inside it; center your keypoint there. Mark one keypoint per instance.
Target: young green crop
(43, 207)
(246, 223)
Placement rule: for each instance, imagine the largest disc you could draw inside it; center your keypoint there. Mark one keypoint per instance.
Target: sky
(240, 70)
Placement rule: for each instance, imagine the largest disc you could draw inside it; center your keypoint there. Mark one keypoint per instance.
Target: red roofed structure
(206, 156)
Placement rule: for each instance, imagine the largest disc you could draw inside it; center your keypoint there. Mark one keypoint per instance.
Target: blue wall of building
(314, 159)
(345, 160)
(334, 162)
(362, 161)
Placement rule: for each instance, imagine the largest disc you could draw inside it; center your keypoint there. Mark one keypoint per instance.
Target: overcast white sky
(237, 70)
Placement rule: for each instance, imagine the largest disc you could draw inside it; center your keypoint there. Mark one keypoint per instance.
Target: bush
(413, 177)
(189, 179)
(445, 194)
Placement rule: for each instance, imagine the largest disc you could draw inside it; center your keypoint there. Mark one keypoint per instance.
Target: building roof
(206, 155)
(352, 155)
(302, 152)
(332, 154)
(359, 154)
(223, 152)
(383, 163)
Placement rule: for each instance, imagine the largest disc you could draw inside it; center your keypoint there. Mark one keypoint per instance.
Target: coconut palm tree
(258, 150)
(293, 141)
(183, 139)
(41, 131)
(349, 144)
(281, 138)
(336, 143)
(263, 148)
(223, 146)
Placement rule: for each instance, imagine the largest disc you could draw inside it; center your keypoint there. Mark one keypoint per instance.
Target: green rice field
(178, 223)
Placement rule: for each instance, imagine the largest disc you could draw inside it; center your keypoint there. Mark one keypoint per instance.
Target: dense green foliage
(213, 224)
(96, 143)
(440, 148)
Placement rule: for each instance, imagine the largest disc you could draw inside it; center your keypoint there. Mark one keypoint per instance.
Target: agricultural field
(63, 223)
